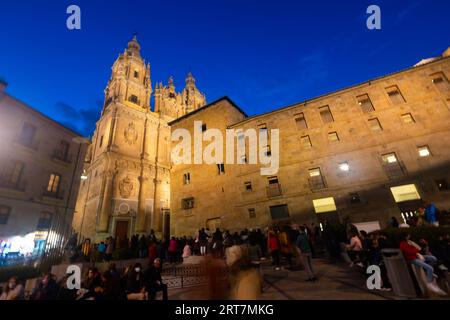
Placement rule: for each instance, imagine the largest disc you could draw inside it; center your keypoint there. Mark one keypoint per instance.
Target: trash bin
(398, 273)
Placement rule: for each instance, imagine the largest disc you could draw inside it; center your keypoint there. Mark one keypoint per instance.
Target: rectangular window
(442, 184)
(333, 137)
(187, 203)
(405, 192)
(395, 95)
(53, 183)
(16, 172)
(279, 212)
(62, 151)
(136, 74)
(221, 168)
(44, 221)
(133, 99)
(4, 214)
(407, 118)
(248, 186)
(27, 135)
(324, 205)
(440, 81)
(423, 151)
(391, 165)
(325, 114)
(365, 103)
(273, 188)
(300, 121)
(204, 127)
(375, 125)
(251, 213)
(316, 181)
(187, 178)
(305, 142)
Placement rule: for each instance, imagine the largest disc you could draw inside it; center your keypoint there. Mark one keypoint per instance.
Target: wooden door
(121, 229)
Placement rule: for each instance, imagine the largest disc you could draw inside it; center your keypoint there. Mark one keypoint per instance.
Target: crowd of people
(366, 249)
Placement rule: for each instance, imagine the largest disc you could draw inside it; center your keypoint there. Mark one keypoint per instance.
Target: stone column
(105, 210)
(157, 219)
(141, 219)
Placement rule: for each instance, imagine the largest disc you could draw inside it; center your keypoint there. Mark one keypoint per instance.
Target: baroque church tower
(126, 181)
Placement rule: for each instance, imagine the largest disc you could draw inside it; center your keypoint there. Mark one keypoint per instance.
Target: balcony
(273, 190)
(17, 186)
(60, 156)
(58, 195)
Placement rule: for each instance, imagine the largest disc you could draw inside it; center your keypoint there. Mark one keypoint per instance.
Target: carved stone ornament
(126, 187)
(130, 134)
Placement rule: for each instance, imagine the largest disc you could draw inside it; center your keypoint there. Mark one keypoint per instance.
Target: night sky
(262, 54)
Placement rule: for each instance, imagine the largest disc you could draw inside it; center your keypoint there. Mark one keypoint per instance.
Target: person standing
(13, 290)
(305, 253)
(431, 214)
(274, 248)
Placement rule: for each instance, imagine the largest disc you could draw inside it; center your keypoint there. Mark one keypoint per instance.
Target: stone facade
(340, 155)
(126, 189)
(40, 167)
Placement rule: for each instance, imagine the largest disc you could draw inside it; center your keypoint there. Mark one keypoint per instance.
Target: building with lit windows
(361, 154)
(41, 162)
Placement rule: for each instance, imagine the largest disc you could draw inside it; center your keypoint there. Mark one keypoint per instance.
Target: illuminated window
(324, 205)
(16, 173)
(344, 166)
(53, 183)
(365, 103)
(305, 142)
(407, 118)
(316, 181)
(4, 214)
(333, 137)
(251, 213)
(301, 121)
(44, 221)
(187, 178)
(424, 151)
(326, 115)
(395, 95)
(375, 125)
(389, 158)
(405, 192)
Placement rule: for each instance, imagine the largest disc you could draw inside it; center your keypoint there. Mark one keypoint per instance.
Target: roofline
(305, 102)
(207, 106)
(39, 113)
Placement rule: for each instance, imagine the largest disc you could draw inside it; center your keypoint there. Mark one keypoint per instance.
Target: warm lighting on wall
(406, 192)
(324, 205)
(344, 166)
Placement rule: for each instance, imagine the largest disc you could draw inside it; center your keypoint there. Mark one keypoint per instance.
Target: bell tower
(130, 82)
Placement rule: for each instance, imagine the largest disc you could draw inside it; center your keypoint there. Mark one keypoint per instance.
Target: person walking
(304, 247)
(274, 248)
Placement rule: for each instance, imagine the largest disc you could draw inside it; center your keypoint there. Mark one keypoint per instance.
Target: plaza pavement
(336, 280)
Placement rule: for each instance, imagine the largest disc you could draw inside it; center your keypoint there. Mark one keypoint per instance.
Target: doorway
(213, 224)
(121, 229)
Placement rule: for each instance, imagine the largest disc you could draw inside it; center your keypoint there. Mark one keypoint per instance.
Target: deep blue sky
(262, 54)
